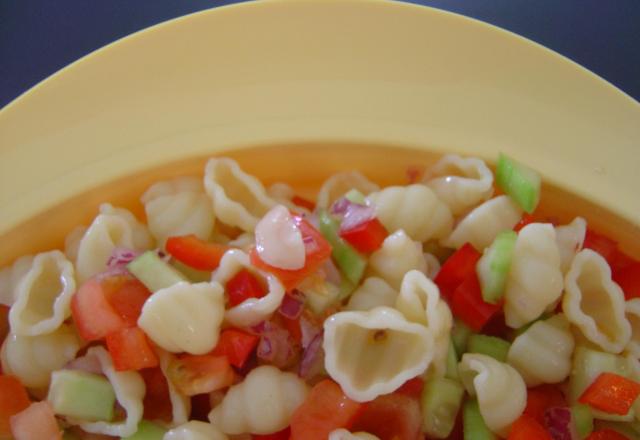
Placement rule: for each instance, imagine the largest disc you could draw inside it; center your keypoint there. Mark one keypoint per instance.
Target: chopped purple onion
(90, 364)
(310, 244)
(275, 346)
(292, 306)
(331, 272)
(121, 257)
(312, 363)
(356, 215)
(341, 205)
(265, 350)
(309, 331)
(559, 423)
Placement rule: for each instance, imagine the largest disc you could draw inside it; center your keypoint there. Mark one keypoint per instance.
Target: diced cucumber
(348, 260)
(519, 182)
(629, 430)
(473, 423)
(452, 363)
(583, 419)
(346, 289)
(493, 266)
(355, 196)
(153, 272)
(81, 395)
(193, 275)
(320, 296)
(441, 401)
(491, 346)
(147, 431)
(459, 336)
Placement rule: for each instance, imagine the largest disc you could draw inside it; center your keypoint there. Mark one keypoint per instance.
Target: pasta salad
(446, 308)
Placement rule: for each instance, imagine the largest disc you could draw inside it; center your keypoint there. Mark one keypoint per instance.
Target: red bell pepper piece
(601, 244)
(628, 279)
(524, 221)
(242, 286)
(528, 428)
(611, 393)
(130, 350)
(196, 253)
(236, 345)
(606, 434)
(366, 237)
(467, 303)
(457, 267)
(300, 201)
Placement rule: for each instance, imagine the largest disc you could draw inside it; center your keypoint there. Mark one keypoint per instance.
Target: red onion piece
(309, 331)
(341, 205)
(559, 423)
(87, 363)
(113, 272)
(312, 363)
(292, 306)
(275, 346)
(310, 244)
(355, 216)
(259, 328)
(265, 350)
(121, 257)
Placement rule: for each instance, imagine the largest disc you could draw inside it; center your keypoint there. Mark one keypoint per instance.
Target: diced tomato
(127, 295)
(242, 286)
(157, 403)
(4, 322)
(366, 237)
(412, 387)
(130, 350)
(601, 244)
(93, 315)
(192, 374)
(303, 202)
(628, 279)
(325, 409)
(196, 253)
(524, 221)
(540, 399)
(528, 428)
(390, 417)
(457, 267)
(13, 399)
(317, 251)
(458, 429)
(280, 435)
(606, 434)
(200, 407)
(236, 345)
(467, 304)
(414, 173)
(37, 422)
(611, 393)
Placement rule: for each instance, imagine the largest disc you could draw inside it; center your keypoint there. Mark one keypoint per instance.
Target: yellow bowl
(328, 85)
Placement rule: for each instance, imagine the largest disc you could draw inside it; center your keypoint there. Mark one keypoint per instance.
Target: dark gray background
(39, 37)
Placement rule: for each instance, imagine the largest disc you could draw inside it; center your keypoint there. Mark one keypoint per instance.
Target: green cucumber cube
(441, 400)
(473, 424)
(153, 272)
(519, 182)
(81, 395)
(493, 267)
(491, 346)
(147, 431)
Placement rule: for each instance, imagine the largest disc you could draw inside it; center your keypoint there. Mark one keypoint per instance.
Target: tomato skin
(611, 393)
(157, 403)
(391, 417)
(13, 399)
(527, 428)
(196, 253)
(467, 304)
(366, 237)
(242, 286)
(198, 374)
(280, 435)
(540, 399)
(236, 345)
(130, 350)
(37, 422)
(628, 278)
(456, 269)
(326, 408)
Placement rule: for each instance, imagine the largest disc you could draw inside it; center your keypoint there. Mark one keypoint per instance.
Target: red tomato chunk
(13, 399)
(37, 422)
(131, 350)
(611, 393)
(391, 417)
(456, 269)
(196, 253)
(242, 286)
(528, 428)
(236, 345)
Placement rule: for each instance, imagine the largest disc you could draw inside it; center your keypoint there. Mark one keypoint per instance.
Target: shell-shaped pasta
(178, 207)
(195, 430)
(244, 241)
(32, 359)
(10, 276)
(180, 404)
(283, 195)
(239, 199)
(413, 208)
(397, 256)
(570, 239)
(184, 317)
(460, 182)
(253, 310)
(113, 227)
(129, 389)
(481, 226)
(72, 242)
(340, 183)
(632, 310)
(502, 394)
(373, 292)
(419, 301)
(261, 404)
(43, 295)
(343, 434)
(594, 303)
(373, 353)
(535, 279)
(433, 265)
(542, 354)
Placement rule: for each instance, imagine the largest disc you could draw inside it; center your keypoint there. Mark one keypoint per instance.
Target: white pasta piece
(535, 280)
(112, 228)
(460, 183)
(373, 292)
(72, 242)
(279, 240)
(184, 317)
(43, 295)
(373, 353)
(481, 226)
(253, 310)
(340, 183)
(594, 303)
(238, 198)
(283, 195)
(501, 392)
(32, 359)
(10, 276)
(433, 265)
(261, 404)
(129, 389)
(180, 404)
(178, 207)
(570, 239)
(397, 256)
(542, 354)
(244, 241)
(195, 430)
(343, 434)
(419, 301)
(632, 310)
(413, 208)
